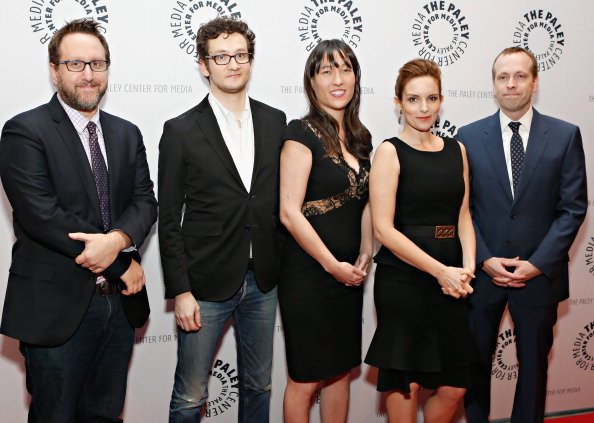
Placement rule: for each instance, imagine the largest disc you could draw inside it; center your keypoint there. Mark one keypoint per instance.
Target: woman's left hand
(363, 261)
(463, 288)
(467, 277)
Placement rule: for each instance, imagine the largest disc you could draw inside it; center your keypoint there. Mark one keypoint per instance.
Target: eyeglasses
(79, 65)
(223, 59)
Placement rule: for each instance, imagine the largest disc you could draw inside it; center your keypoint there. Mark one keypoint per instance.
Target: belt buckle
(107, 288)
(445, 231)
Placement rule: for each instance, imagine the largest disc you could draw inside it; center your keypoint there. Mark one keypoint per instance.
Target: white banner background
(154, 77)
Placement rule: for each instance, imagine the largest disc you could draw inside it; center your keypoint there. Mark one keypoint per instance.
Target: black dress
(422, 335)
(321, 316)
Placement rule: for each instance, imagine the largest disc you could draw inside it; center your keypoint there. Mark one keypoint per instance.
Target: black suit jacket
(49, 183)
(208, 253)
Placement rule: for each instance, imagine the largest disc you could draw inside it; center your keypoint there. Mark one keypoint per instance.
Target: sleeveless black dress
(321, 316)
(422, 335)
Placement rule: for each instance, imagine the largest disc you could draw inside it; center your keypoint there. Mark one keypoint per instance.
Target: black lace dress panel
(321, 316)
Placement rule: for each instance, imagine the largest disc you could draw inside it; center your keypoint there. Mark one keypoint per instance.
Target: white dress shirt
(80, 124)
(238, 136)
(506, 134)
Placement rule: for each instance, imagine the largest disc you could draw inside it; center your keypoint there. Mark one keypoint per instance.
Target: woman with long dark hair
(323, 189)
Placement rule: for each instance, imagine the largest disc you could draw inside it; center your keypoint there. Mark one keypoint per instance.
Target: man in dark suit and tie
(79, 186)
(218, 168)
(528, 200)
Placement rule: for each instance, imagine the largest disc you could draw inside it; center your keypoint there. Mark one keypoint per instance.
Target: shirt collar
(525, 121)
(216, 104)
(79, 120)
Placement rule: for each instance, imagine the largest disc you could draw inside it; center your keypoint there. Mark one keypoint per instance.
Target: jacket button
(246, 228)
(252, 197)
(513, 216)
(508, 242)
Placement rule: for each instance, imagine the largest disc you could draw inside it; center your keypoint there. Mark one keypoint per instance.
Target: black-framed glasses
(223, 59)
(79, 65)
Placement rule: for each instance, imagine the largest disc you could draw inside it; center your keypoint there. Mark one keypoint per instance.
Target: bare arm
(466, 228)
(383, 185)
(366, 249)
(295, 167)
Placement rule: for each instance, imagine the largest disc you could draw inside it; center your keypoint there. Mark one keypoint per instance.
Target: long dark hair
(358, 138)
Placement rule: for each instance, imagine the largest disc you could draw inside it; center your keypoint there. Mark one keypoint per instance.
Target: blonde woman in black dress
(323, 190)
(420, 211)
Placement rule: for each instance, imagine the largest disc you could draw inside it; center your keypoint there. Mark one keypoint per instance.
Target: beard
(74, 99)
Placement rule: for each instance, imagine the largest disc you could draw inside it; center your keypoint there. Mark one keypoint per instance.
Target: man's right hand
(100, 249)
(495, 268)
(187, 312)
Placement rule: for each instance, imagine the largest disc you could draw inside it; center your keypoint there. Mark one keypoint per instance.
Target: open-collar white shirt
(238, 135)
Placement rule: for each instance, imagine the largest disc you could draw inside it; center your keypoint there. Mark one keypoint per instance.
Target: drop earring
(400, 117)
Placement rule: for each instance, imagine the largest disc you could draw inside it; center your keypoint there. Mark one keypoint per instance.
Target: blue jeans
(84, 379)
(254, 316)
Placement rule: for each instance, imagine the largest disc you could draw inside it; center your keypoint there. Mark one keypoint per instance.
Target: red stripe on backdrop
(569, 416)
(581, 418)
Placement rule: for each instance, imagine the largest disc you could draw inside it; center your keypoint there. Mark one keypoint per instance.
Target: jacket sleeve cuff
(118, 267)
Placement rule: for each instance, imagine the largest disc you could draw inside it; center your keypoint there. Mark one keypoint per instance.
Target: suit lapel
(114, 159)
(259, 137)
(493, 143)
(537, 143)
(207, 121)
(79, 157)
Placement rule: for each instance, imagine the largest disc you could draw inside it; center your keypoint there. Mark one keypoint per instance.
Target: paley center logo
(325, 19)
(505, 362)
(47, 16)
(223, 388)
(582, 349)
(187, 16)
(444, 128)
(540, 32)
(440, 32)
(589, 254)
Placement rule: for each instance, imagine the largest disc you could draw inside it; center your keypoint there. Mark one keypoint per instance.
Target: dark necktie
(101, 175)
(517, 153)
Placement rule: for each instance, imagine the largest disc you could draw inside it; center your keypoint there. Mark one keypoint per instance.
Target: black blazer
(49, 183)
(208, 253)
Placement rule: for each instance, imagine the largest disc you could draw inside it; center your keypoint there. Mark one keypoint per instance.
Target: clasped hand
(455, 281)
(351, 274)
(499, 270)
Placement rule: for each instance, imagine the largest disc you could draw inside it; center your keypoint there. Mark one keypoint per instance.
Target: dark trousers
(83, 380)
(534, 338)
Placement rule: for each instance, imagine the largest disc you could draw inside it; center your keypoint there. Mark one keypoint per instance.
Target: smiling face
(420, 103)
(80, 90)
(231, 78)
(334, 85)
(514, 84)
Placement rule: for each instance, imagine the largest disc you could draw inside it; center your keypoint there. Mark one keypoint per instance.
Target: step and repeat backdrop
(154, 76)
